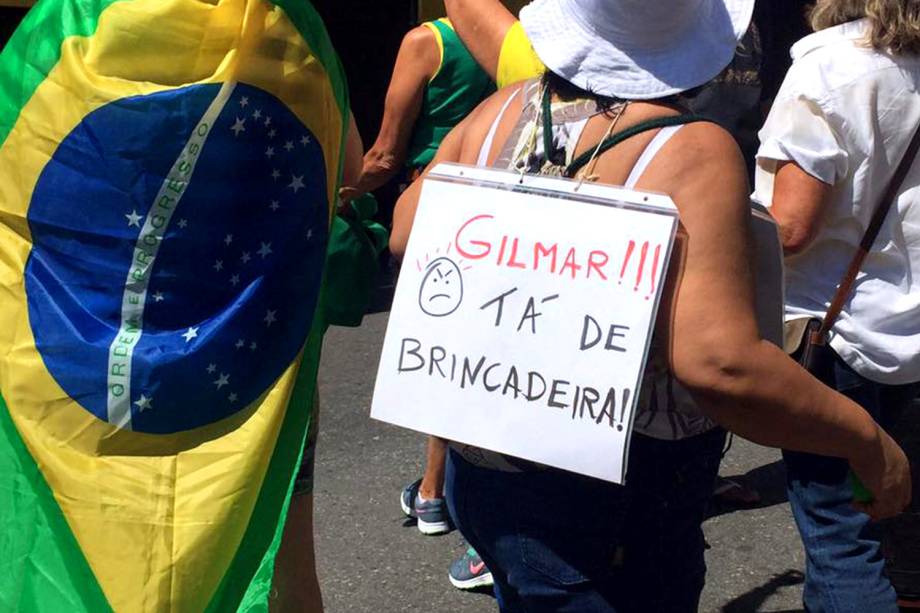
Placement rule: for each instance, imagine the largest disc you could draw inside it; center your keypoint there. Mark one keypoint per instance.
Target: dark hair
(569, 91)
(566, 90)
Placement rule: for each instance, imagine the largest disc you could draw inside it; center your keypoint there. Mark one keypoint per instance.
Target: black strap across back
(608, 143)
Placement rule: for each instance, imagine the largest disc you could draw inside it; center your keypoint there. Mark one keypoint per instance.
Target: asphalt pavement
(372, 559)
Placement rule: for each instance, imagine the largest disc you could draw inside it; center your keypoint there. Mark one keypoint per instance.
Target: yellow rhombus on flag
(167, 170)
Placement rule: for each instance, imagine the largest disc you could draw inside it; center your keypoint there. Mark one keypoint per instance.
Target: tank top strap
(438, 30)
(524, 124)
(449, 43)
(483, 159)
(526, 147)
(660, 140)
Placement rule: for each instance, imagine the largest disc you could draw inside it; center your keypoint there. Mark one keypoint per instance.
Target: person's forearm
(767, 398)
(379, 167)
(799, 204)
(416, 63)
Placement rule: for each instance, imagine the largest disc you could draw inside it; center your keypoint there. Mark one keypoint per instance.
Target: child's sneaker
(469, 572)
(431, 514)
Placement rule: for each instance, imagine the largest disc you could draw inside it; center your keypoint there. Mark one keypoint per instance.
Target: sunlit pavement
(372, 560)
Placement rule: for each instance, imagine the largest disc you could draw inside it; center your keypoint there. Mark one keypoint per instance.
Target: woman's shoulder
(423, 39)
(705, 146)
(702, 165)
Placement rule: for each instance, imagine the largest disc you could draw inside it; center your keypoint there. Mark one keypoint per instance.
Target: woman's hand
(885, 471)
(348, 193)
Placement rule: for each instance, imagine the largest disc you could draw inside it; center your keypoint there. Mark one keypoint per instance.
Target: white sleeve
(798, 130)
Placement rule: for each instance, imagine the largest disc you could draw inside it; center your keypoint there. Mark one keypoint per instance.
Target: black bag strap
(615, 139)
(553, 156)
(868, 239)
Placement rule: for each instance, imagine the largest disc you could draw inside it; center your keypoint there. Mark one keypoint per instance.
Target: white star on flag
(310, 234)
(223, 380)
(212, 368)
(305, 141)
(274, 206)
(144, 403)
(257, 114)
(232, 397)
(270, 318)
(228, 239)
(270, 152)
(264, 250)
(238, 126)
(183, 223)
(289, 145)
(240, 343)
(235, 280)
(253, 346)
(219, 265)
(296, 183)
(276, 174)
(159, 297)
(245, 257)
(268, 121)
(134, 219)
(272, 132)
(244, 101)
(190, 334)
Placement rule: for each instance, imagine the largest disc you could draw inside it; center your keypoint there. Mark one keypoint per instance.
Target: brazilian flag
(167, 174)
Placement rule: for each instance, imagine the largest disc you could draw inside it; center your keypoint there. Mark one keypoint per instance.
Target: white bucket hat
(636, 49)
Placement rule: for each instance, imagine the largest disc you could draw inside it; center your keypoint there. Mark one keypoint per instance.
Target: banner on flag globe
(167, 174)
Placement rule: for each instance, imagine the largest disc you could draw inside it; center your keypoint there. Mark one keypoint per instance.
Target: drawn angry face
(442, 288)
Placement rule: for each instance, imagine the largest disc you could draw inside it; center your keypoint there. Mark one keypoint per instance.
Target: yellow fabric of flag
(165, 197)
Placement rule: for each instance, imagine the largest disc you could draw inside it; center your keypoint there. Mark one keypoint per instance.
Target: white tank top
(666, 410)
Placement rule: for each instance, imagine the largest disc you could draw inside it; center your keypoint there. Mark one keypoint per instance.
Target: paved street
(372, 560)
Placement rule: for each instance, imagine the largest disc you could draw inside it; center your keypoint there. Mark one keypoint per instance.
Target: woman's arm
(416, 63)
(482, 26)
(799, 204)
(461, 144)
(747, 384)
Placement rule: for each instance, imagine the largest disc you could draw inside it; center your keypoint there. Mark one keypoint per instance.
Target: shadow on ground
(769, 481)
(751, 601)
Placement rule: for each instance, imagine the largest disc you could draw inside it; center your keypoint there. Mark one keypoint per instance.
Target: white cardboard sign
(523, 314)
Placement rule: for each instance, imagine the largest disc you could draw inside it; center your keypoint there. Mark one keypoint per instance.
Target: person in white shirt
(839, 128)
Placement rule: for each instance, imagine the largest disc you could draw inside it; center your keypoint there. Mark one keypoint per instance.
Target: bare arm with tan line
(416, 63)
(747, 384)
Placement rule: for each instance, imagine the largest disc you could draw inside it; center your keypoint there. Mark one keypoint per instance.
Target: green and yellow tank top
(455, 90)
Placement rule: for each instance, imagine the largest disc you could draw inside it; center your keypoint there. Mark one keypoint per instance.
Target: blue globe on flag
(179, 241)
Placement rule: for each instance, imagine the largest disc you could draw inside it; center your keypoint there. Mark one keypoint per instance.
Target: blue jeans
(844, 563)
(561, 543)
